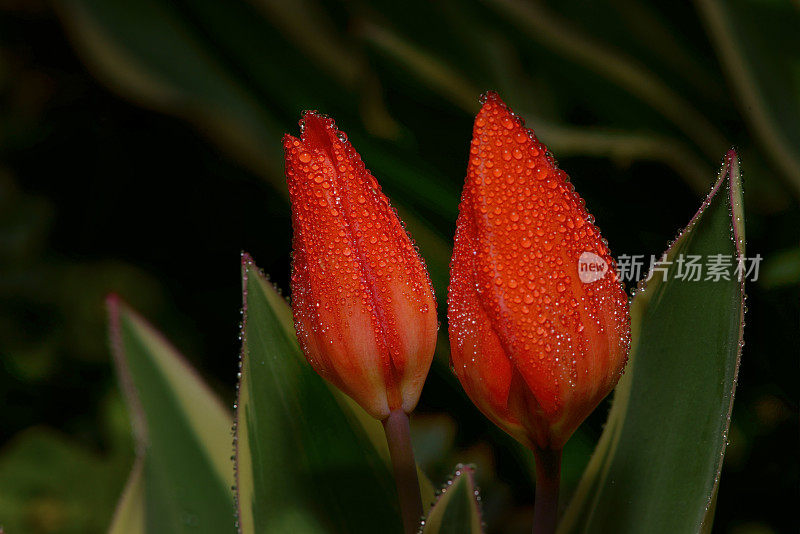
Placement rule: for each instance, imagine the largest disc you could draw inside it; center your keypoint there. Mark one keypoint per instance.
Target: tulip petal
(477, 356)
(363, 302)
(524, 236)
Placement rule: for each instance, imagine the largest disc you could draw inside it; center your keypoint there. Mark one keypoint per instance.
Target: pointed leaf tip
(679, 387)
(112, 300)
(181, 429)
(457, 509)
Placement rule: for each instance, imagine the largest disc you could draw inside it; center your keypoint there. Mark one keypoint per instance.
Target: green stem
(548, 475)
(398, 436)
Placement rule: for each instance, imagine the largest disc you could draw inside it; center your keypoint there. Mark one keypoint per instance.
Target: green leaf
(559, 34)
(307, 458)
(182, 432)
(759, 65)
(161, 55)
(129, 518)
(51, 483)
(215, 64)
(458, 509)
(657, 465)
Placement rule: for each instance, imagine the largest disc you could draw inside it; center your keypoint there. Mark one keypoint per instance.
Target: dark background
(126, 167)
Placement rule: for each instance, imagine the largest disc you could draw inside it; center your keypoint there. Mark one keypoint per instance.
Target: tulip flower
(363, 304)
(538, 321)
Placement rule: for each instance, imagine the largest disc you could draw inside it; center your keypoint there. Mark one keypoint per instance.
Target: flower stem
(398, 435)
(548, 475)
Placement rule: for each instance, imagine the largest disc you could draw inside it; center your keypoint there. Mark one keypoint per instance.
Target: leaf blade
(129, 517)
(181, 430)
(457, 510)
(291, 425)
(682, 374)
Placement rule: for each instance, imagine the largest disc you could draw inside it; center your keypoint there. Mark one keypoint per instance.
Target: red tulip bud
(363, 304)
(538, 321)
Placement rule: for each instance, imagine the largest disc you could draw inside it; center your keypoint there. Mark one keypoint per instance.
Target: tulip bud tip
(538, 321)
(358, 284)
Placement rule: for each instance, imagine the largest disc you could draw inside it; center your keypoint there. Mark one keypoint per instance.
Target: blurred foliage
(52, 484)
(182, 477)
(638, 100)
